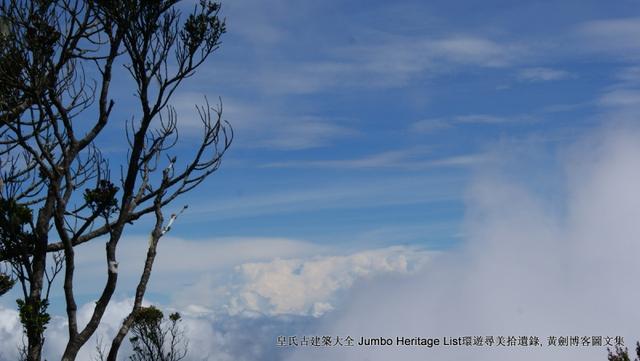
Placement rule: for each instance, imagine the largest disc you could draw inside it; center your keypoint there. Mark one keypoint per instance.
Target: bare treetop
(57, 61)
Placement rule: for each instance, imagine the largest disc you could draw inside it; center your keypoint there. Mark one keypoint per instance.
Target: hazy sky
(472, 163)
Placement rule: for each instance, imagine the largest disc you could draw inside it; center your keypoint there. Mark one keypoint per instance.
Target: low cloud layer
(253, 303)
(309, 287)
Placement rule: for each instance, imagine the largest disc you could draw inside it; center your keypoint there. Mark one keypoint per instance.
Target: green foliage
(148, 317)
(6, 283)
(12, 64)
(34, 316)
(15, 215)
(203, 27)
(175, 317)
(41, 37)
(623, 354)
(15, 241)
(102, 198)
(156, 340)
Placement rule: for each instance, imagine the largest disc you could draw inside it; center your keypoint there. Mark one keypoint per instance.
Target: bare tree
(57, 61)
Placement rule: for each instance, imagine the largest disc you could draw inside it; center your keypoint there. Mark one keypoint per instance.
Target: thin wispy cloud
(535, 75)
(262, 125)
(621, 98)
(393, 159)
(476, 51)
(427, 126)
(562, 108)
(617, 36)
(409, 160)
(327, 194)
(430, 125)
(384, 62)
(304, 132)
(628, 75)
(492, 119)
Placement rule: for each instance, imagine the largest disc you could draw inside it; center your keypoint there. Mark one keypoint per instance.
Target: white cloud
(216, 323)
(210, 337)
(205, 341)
(258, 125)
(303, 133)
(542, 74)
(465, 160)
(476, 51)
(629, 75)
(392, 159)
(621, 98)
(384, 61)
(334, 194)
(10, 334)
(414, 159)
(612, 36)
(430, 125)
(309, 287)
(491, 119)
(530, 266)
(57, 333)
(172, 270)
(620, 102)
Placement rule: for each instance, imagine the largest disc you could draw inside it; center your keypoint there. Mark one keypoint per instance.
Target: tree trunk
(34, 303)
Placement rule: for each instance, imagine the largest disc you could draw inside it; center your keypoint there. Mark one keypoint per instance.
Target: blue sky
(353, 118)
(397, 152)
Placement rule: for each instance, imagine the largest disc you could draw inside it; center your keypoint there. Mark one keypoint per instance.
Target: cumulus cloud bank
(307, 287)
(301, 286)
(530, 266)
(252, 305)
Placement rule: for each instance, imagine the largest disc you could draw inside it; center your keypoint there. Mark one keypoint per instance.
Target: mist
(559, 262)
